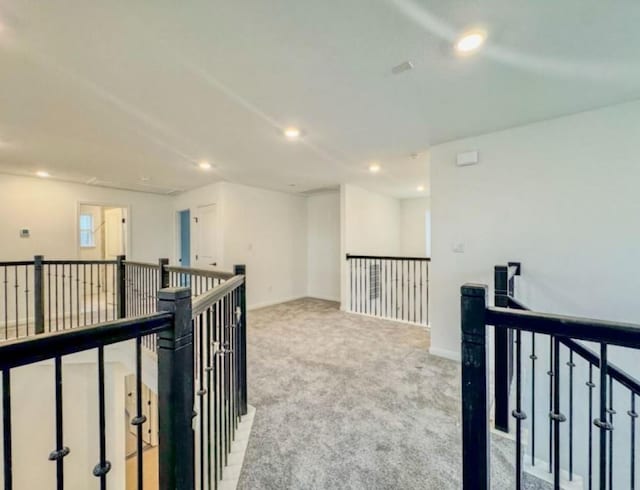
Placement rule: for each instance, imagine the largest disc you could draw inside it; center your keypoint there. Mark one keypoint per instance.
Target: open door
(206, 253)
(114, 233)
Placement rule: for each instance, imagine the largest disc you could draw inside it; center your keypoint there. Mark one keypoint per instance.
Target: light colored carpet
(348, 402)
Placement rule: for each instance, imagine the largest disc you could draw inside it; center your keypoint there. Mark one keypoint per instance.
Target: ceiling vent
(402, 67)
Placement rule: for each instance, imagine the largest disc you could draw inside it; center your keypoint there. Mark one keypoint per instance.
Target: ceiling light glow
(374, 168)
(420, 188)
(204, 165)
(470, 42)
(42, 173)
(292, 133)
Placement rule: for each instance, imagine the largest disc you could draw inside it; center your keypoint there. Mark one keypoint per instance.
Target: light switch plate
(25, 233)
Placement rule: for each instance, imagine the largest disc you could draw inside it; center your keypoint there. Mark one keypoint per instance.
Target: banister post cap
(471, 289)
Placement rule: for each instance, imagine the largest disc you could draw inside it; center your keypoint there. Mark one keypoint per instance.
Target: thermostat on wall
(25, 233)
(468, 158)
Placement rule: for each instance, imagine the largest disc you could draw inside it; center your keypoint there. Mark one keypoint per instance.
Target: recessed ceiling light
(204, 165)
(292, 133)
(420, 188)
(470, 42)
(145, 179)
(374, 168)
(42, 173)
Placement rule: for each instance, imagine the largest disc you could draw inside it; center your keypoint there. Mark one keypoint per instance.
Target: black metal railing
(201, 363)
(40, 295)
(54, 347)
(562, 423)
(395, 288)
(219, 328)
(51, 295)
(199, 280)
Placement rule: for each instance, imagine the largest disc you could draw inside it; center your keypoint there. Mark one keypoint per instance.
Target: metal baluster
(208, 369)
(533, 358)
(15, 280)
(421, 300)
(84, 292)
(91, 291)
(601, 422)
(415, 309)
(139, 420)
(611, 413)
(64, 306)
(216, 395)
(77, 295)
(351, 277)
(26, 297)
(590, 385)
(556, 416)
(6, 428)
(518, 414)
(199, 335)
(49, 296)
(6, 303)
(571, 365)
(103, 467)
(61, 451)
(550, 374)
(632, 464)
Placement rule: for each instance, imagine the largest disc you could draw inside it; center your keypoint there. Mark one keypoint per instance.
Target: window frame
(86, 232)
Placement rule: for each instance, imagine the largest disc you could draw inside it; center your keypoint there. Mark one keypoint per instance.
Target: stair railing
(395, 288)
(565, 335)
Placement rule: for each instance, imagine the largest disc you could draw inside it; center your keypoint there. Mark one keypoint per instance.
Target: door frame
(178, 235)
(76, 226)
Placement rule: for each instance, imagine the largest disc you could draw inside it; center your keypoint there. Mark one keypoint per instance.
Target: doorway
(206, 253)
(184, 238)
(102, 231)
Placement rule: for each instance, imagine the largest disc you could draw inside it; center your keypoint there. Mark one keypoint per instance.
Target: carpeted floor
(348, 402)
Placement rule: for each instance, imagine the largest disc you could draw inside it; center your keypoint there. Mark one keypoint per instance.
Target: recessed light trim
(374, 167)
(470, 42)
(204, 165)
(43, 173)
(292, 133)
(420, 188)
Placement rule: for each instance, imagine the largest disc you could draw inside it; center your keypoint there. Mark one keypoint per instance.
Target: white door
(206, 250)
(113, 233)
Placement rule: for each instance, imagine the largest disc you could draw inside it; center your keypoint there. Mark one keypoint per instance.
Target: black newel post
(164, 273)
(242, 338)
(176, 393)
(475, 408)
(122, 290)
(503, 355)
(38, 293)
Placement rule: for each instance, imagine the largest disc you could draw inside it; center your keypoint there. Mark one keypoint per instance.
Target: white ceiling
(113, 91)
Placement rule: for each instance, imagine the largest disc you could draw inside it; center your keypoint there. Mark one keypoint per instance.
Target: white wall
(50, 210)
(415, 227)
(560, 196)
(323, 245)
(370, 225)
(265, 230)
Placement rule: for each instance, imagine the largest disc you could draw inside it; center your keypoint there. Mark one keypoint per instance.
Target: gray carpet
(348, 402)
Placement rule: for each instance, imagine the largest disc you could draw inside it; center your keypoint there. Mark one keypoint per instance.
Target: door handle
(213, 263)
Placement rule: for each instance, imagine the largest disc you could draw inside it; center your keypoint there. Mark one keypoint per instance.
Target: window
(86, 231)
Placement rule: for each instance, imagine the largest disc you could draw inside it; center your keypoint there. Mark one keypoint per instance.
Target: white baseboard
(447, 354)
(264, 304)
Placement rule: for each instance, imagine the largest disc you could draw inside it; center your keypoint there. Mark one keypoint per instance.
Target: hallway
(346, 401)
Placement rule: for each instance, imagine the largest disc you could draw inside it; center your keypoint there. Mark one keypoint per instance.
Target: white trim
(447, 354)
(264, 304)
(333, 300)
(389, 319)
